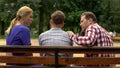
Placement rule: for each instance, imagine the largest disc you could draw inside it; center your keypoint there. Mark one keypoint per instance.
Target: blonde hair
(23, 11)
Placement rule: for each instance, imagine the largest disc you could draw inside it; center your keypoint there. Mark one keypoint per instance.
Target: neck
(20, 23)
(56, 26)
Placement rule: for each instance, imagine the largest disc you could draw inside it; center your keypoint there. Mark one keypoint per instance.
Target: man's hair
(89, 15)
(58, 17)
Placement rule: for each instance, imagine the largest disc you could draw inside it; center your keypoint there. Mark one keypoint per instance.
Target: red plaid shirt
(95, 35)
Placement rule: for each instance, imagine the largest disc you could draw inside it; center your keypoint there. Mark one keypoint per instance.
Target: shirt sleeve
(25, 36)
(87, 40)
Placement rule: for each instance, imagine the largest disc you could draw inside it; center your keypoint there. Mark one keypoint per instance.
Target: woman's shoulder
(21, 28)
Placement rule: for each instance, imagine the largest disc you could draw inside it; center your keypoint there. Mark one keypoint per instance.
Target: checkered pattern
(95, 35)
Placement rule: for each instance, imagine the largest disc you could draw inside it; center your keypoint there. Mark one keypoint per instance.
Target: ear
(51, 21)
(63, 22)
(90, 21)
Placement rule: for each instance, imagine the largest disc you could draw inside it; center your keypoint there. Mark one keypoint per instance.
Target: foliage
(8, 12)
(72, 9)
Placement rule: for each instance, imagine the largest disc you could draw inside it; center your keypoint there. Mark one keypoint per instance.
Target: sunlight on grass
(2, 42)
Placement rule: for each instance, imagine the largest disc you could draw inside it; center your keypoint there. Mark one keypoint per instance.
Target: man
(95, 35)
(55, 36)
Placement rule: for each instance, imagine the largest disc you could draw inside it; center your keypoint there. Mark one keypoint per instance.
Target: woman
(18, 33)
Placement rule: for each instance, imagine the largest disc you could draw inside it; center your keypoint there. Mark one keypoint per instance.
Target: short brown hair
(89, 15)
(58, 17)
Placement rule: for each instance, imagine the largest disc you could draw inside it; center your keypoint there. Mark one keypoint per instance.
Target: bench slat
(48, 67)
(50, 60)
(25, 67)
(27, 60)
(85, 60)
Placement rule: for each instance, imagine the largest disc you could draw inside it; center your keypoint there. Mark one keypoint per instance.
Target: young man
(55, 36)
(95, 35)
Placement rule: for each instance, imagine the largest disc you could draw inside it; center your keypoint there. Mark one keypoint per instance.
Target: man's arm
(88, 39)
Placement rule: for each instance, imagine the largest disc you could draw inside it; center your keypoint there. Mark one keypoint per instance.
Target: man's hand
(70, 33)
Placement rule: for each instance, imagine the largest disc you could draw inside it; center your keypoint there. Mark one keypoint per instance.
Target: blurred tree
(72, 9)
(7, 13)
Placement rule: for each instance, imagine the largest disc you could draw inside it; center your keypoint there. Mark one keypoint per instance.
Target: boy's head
(58, 17)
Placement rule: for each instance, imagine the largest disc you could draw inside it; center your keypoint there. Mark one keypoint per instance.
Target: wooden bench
(57, 60)
(116, 38)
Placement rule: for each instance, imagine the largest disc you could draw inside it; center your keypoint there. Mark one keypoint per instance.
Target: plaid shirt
(95, 35)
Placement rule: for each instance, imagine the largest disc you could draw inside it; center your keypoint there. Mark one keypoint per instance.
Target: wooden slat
(50, 67)
(27, 60)
(61, 49)
(86, 60)
(48, 60)
(25, 67)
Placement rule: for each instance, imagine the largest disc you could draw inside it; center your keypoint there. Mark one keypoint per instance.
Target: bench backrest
(56, 59)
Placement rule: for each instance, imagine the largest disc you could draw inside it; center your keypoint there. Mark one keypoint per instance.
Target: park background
(107, 12)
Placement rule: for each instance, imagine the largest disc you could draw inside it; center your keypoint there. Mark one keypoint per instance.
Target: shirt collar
(55, 29)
